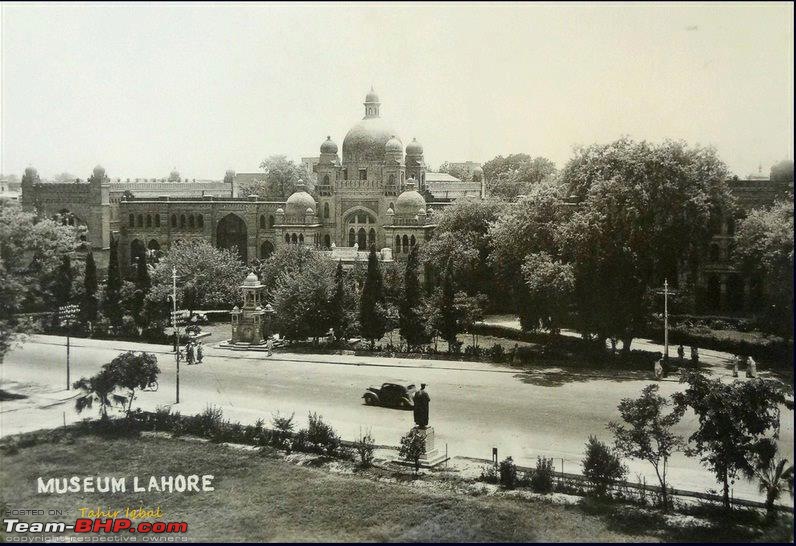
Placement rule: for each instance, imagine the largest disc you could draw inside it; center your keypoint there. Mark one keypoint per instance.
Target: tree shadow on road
(5, 396)
(559, 377)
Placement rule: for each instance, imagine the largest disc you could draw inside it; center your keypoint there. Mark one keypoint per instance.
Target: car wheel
(370, 401)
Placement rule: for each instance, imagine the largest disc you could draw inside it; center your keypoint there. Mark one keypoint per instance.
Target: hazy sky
(141, 88)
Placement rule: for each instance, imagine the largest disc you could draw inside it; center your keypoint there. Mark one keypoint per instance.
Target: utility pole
(67, 315)
(666, 320)
(174, 323)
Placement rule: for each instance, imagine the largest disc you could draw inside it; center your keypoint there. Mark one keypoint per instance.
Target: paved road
(474, 406)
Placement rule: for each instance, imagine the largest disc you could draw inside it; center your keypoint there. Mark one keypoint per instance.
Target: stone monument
(247, 321)
(431, 455)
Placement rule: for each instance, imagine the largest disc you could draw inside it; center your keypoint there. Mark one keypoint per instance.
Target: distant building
(446, 187)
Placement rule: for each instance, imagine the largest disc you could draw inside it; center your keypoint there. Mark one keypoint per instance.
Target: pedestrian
(269, 346)
(694, 356)
(751, 367)
(199, 353)
(189, 352)
(658, 369)
(681, 354)
(735, 362)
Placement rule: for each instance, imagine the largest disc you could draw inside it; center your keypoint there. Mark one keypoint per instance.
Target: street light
(666, 293)
(67, 314)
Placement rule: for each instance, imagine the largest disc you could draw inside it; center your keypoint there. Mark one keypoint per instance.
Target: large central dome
(365, 141)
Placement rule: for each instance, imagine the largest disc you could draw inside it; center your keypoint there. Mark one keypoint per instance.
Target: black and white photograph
(482, 272)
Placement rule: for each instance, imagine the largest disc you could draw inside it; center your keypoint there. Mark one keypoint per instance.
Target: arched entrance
(713, 293)
(137, 250)
(360, 224)
(266, 249)
(231, 233)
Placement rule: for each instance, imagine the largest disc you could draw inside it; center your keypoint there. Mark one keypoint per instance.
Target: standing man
(658, 369)
(751, 367)
(694, 356)
(199, 352)
(681, 354)
(269, 346)
(421, 400)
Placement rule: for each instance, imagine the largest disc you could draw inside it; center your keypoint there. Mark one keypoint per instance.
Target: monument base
(431, 456)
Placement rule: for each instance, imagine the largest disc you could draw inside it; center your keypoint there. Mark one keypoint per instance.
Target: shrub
(524, 354)
(283, 429)
(542, 478)
(601, 466)
(508, 473)
(209, 422)
(496, 353)
(413, 446)
(489, 474)
(365, 446)
(321, 436)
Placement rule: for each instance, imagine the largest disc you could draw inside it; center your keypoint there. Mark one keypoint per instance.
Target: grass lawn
(261, 498)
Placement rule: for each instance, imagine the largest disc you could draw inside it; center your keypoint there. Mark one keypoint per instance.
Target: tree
(645, 211)
(30, 252)
(411, 322)
(648, 435)
(62, 284)
(302, 301)
(774, 475)
(372, 314)
(445, 317)
(99, 388)
(601, 466)
(734, 421)
(279, 179)
(783, 172)
(209, 277)
(413, 445)
(459, 171)
(469, 311)
(764, 249)
(528, 226)
(509, 177)
(111, 307)
(290, 259)
(550, 285)
(133, 371)
(88, 307)
(460, 238)
(343, 305)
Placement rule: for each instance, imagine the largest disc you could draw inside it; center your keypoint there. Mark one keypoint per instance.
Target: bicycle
(152, 387)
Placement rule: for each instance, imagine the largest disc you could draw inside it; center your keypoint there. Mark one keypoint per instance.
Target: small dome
(390, 212)
(371, 96)
(409, 201)
(414, 148)
(300, 201)
(99, 171)
(328, 146)
(310, 211)
(280, 210)
(251, 280)
(393, 146)
(478, 170)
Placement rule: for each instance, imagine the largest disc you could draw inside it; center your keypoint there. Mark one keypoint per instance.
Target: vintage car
(390, 395)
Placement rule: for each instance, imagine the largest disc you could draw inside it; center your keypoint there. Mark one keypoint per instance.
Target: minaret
(372, 104)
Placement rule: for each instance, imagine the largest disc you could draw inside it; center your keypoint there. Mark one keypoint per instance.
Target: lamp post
(174, 323)
(66, 314)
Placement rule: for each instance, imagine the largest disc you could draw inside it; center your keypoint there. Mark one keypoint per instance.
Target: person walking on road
(658, 369)
(694, 356)
(751, 367)
(681, 354)
(735, 362)
(199, 353)
(269, 346)
(189, 353)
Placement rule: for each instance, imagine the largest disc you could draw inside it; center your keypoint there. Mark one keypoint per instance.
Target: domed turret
(393, 146)
(298, 203)
(409, 201)
(328, 146)
(414, 148)
(372, 96)
(251, 280)
(478, 174)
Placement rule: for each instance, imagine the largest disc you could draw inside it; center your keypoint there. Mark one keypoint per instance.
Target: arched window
(266, 249)
(731, 226)
(271, 221)
(405, 244)
(397, 244)
(412, 241)
(200, 220)
(327, 241)
(131, 221)
(140, 220)
(157, 220)
(262, 221)
(326, 180)
(173, 220)
(352, 238)
(362, 239)
(182, 220)
(392, 180)
(301, 238)
(294, 239)
(191, 223)
(287, 238)
(392, 207)
(326, 210)
(372, 237)
(148, 220)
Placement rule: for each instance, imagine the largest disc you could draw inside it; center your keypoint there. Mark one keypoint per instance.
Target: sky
(205, 87)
